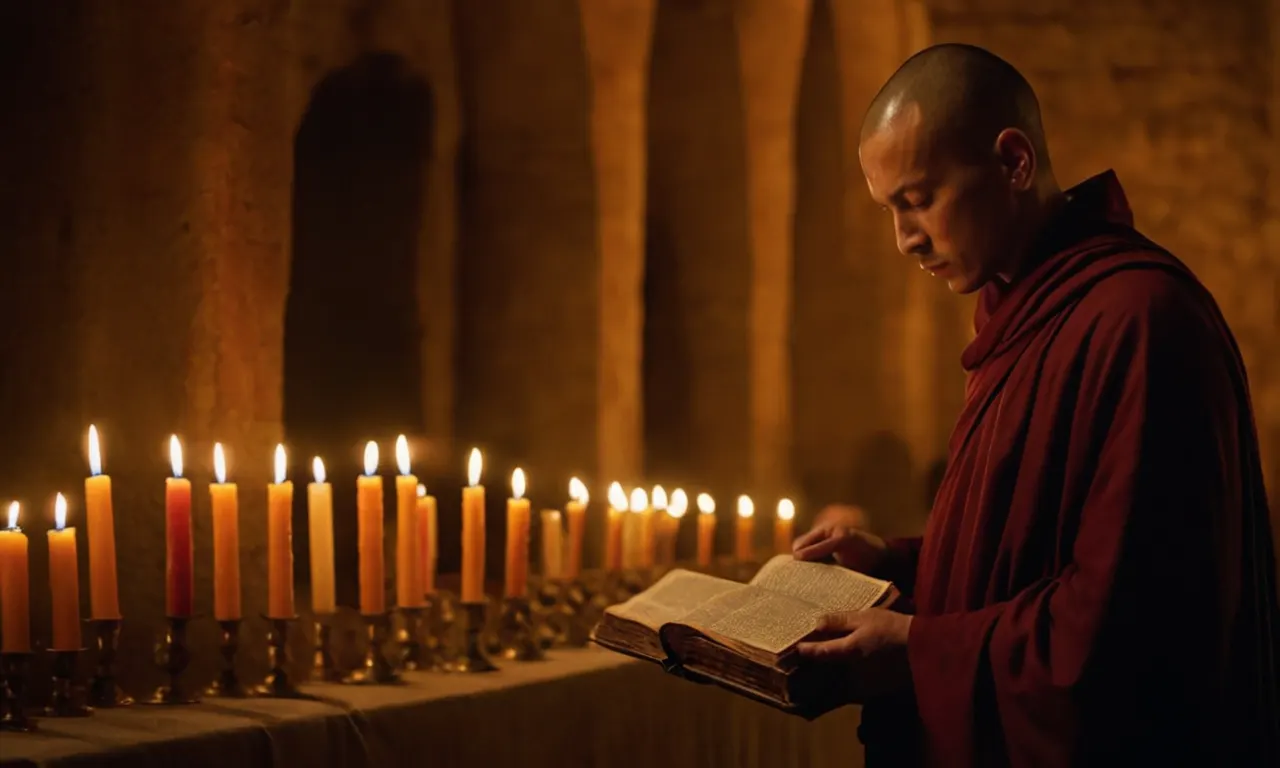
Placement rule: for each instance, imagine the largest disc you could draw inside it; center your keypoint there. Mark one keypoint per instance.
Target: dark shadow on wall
(352, 355)
(884, 483)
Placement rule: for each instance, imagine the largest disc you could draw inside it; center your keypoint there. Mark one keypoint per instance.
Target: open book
(743, 636)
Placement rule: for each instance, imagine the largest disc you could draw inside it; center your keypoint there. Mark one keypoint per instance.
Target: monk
(1096, 582)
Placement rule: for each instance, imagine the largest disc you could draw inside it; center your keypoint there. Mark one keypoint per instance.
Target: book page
(757, 617)
(831, 588)
(674, 597)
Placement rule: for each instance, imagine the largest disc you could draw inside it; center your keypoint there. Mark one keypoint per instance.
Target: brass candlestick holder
(104, 692)
(439, 619)
(323, 668)
(473, 658)
(13, 706)
(517, 632)
(62, 694)
(278, 684)
(550, 614)
(173, 656)
(577, 601)
(408, 638)
(228, 685)
(375, 670)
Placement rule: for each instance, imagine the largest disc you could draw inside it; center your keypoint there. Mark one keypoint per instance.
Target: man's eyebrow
(898, 195)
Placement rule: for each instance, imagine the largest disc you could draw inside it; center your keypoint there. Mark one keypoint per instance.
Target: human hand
(860, 633)
(853, 548)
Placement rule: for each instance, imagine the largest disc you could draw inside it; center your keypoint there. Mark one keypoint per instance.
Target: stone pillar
(771, 45)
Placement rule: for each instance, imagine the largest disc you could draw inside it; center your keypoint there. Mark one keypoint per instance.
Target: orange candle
(180, 585)
(782, 526)
(745, 529)
(675, 512)
(104, 598)
(575, 513)
(552, 544)
(613, 527)
(426, 541)
(706, 529)
(644, 528)
(473, 532)
(280, 541)
(516, 572)
(408, 546)
(226, 541)
(320, 537)
(15, 594)
(373, 599)
(64, 581)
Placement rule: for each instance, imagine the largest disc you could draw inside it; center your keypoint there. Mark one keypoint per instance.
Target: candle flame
(679, 503)
(746, 508)
(422, 490)
(706, 504)
(95, 452)
(402, 454)
(617, 497)
(13, 515)
(786, 509)
(371, 458)
(219, 463)
(639, 500)
(578, 491)
(517, 484)
(659, 497)
(60, 512)
(317, 469)
(474, 464)
(175, 455)
(281, 464)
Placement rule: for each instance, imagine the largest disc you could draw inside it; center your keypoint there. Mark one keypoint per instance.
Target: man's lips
(934, 267)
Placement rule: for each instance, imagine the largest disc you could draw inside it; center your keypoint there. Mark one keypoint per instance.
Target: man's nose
(911, 241)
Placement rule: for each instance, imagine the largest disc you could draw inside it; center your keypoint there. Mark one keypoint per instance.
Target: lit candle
(650, 526)
(320, 535)
(473, 532)
(104, 597)
(427, 541)
(782, 526)
(745, 529)
(180, 584)
(280, 541)
(64, 581)
(516, 572)
(575, 513)
(15, 595)
(408, 547)
(613, 527)
(633, 554)
(373, 599)
(226, 541)
(706, 529)
(671, 524)
(552, 544)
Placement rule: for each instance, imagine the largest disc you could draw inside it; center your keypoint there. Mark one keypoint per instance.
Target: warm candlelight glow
(474, 465)
(95, 452)
(371, 458)
(706, 504)
(578, 491)
(517, 484)
(745, 507)
(786, 509)
(317, 469)
(280, 464)
(639, 500)
(659, 497)
(175, 455)
(219, 464)
(422, 491)
(679, 503)
(617, 497)
(59, 512)
(402, 454)
(13, 515)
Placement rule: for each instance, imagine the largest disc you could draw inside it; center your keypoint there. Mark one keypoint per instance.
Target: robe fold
(1096, 583)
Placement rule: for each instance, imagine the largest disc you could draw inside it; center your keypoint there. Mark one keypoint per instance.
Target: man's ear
(1018, 157)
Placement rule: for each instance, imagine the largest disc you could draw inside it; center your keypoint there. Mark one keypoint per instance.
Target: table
(581, 707)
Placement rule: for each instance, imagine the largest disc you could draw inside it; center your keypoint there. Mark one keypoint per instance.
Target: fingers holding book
(856, 634)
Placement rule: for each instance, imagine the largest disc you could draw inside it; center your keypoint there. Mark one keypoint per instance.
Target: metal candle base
(473, 658)
(62, 694)
(228, 685)
(439, 626)
(13, 705)
(278, 684)
(173, 656)
(408, 639)
(323, 668)
(550, 614)
(578, 601)
(517, 632)
(375, 670)
(104, 693)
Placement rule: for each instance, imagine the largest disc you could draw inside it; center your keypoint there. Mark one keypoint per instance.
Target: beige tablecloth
(579, 708)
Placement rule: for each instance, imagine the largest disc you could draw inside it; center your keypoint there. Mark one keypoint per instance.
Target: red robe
(1096, 583)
